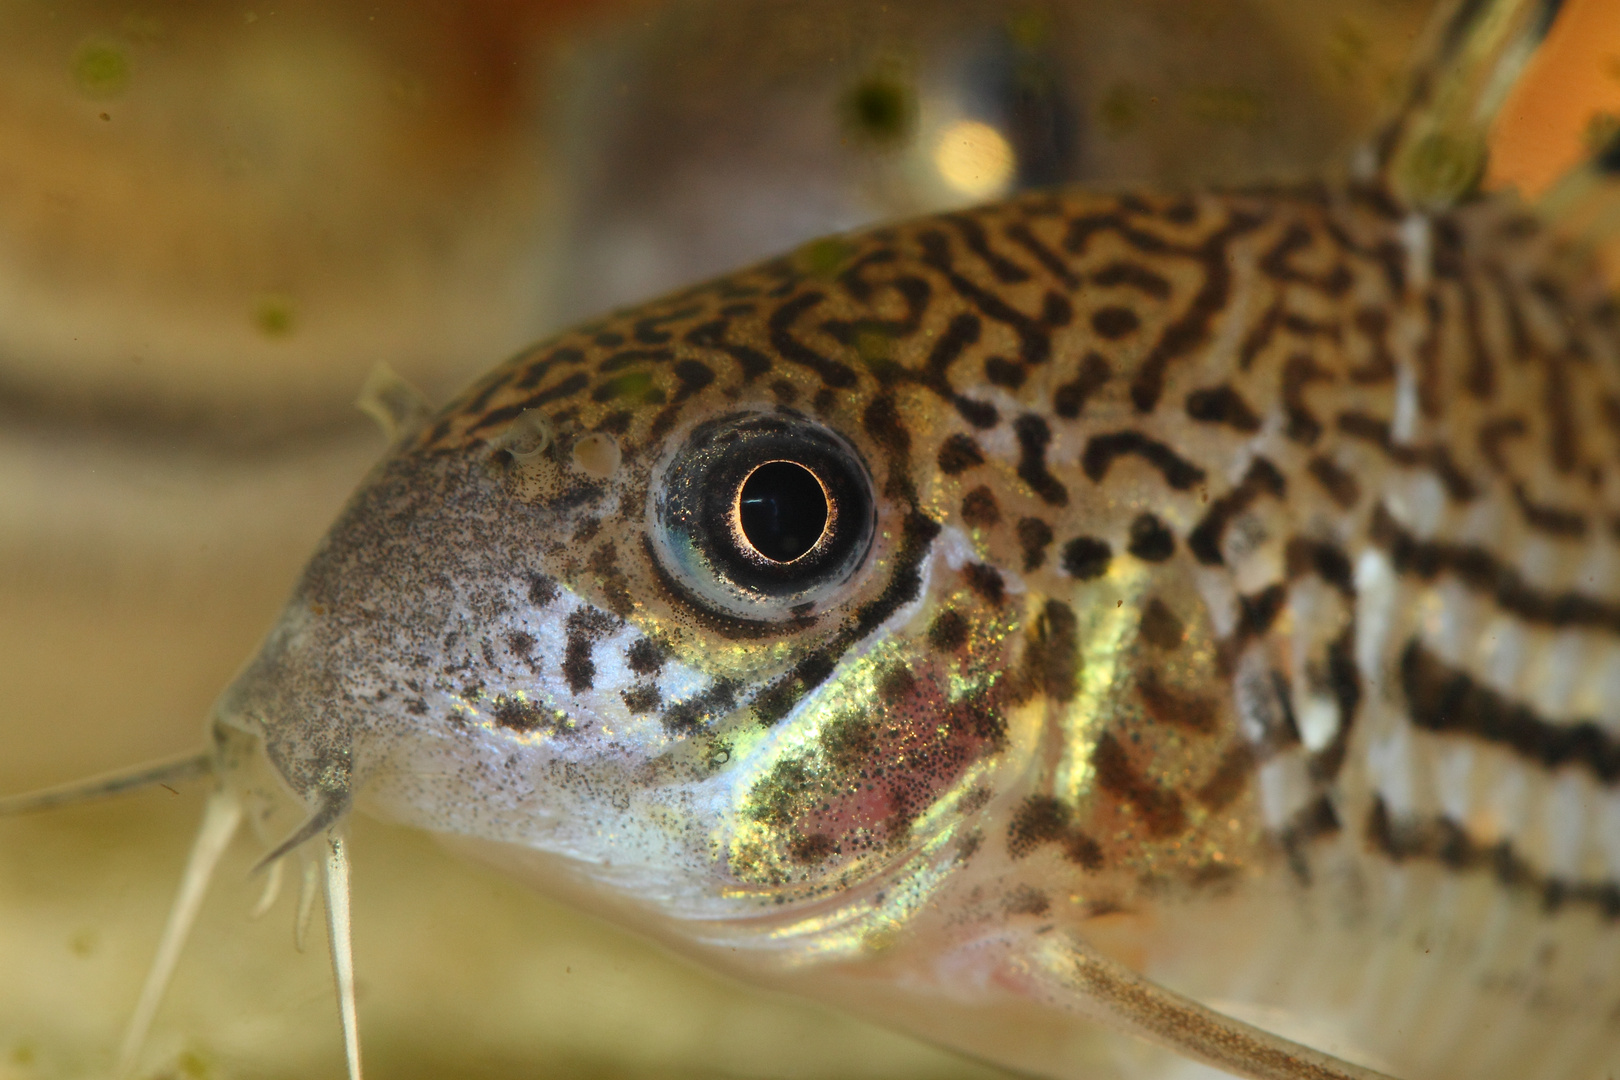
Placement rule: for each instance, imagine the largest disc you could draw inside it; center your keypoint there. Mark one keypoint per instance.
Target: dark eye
(759, 513)
(782, 509)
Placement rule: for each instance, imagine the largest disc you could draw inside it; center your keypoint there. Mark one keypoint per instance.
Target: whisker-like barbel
(1193, 613)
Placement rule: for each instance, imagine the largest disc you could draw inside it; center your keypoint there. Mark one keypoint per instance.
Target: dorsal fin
(1433, 153)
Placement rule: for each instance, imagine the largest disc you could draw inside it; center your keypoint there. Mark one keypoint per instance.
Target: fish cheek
(878, 767)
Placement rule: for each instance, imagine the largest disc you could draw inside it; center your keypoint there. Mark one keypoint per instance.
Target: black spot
(1033, 537)
(1086, 557)
(1052, 656)
(1150, 540)
(1044, 820)
(694, 376)
(949, 631)
(986, 581)
(1340, 485)
(1003, 372)
(687, 716)
(515, 714)
(642, 698)
(958, 454)
(1222, 405)
(818, 847)
(584, 626)
(1040, 820)
(1026, 900)
(645, 657)
(849, 742)
(981, 414)
(1160, 627)
(979, 508)
(895, 685)
(1113, 323)
(542, 590)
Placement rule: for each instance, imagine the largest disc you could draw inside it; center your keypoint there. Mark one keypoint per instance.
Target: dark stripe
(1160, 808)
(1446, 700)
(1428, 358)
(1019, 234)
(1191, 330)
(1035, 346)
(649, 330)
(1230, 777)
(1448, 843)
(1563, 436)
(1276, 265)
(1481, 377)
(973, 235)
(962, 331)
(1374, 325)
(537, 370)
(1313, 821)
(1260, 335)
(1493, 433)
(1205, 539)
(1484, 572)
(905, 581)
(1134, 276)
(1033, 439)
(1304, 556)
(1222, 405)
(1565, 524)
(1070, 398)
(567, 388)
(1167, 706)
(712, 335)
(1299, 372)
(1344, 678)
(791, 349)
(1435, 458)
(1340, 485)
(1101, 451)
(1052, 652)
(624, 359)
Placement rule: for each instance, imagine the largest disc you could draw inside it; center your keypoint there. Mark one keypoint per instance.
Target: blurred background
(216, 218)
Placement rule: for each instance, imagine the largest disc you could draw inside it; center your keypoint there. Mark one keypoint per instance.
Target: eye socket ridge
(757, 513)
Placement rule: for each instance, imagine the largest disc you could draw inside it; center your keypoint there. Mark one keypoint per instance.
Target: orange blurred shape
(1570, 91)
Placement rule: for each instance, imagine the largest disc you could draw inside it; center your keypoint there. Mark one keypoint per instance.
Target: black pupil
(783, 510)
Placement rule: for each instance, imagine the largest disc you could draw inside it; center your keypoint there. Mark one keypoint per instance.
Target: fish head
(669, 605)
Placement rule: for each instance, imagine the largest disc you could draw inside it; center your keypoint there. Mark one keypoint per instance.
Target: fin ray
(1071, 975)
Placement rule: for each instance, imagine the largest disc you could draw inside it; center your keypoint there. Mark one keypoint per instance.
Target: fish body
(1219, 589)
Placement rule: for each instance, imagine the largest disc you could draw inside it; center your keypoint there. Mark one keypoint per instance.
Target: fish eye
(756, 514)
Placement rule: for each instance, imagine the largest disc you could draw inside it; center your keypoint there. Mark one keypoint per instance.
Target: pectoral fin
(1063, 971)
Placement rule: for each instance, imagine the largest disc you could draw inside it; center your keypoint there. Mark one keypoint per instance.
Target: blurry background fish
(215, 219)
